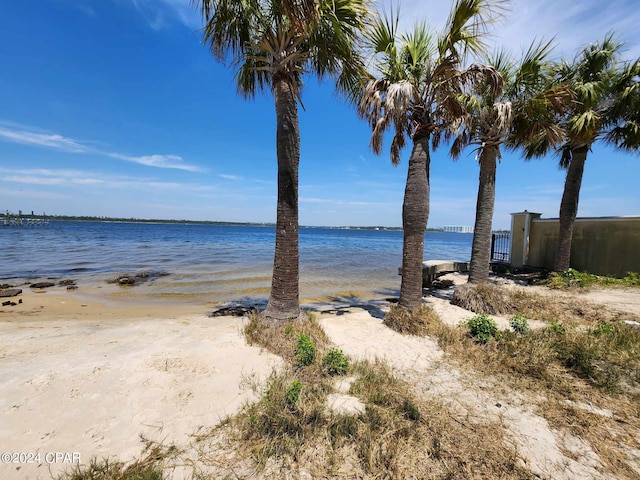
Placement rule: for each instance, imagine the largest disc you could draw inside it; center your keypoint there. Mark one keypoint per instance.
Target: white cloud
(160, 14)
(42, 140)
(48, 140)
(229, 177)
(39, 176)
(572, 23)
(157, 161)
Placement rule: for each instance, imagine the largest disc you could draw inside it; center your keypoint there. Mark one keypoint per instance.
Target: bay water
(215, 263)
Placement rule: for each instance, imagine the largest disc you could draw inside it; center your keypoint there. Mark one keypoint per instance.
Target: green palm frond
(288, 38)
(504, 63)
(533, 69)
(422, 87)
(417, 47)
(467, 27)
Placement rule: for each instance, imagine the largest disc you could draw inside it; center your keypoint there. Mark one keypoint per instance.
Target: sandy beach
(86, 377)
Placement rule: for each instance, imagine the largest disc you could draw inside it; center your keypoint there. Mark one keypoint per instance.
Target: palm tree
(416, 92)
(515, 107)
(605, 108)
(273, 43)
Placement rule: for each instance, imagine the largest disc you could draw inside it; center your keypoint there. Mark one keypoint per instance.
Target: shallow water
(213, 262)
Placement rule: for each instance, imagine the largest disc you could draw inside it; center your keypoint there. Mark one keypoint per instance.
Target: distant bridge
(20, 220)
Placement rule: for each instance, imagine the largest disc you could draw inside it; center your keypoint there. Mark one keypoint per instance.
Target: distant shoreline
(88, 218)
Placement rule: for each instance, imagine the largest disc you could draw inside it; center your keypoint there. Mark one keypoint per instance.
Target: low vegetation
(482, 328)
(489, 299)
(571, 278)
(335, 362)
(519, 324)
(586, 355)
(150, 467)
(410, 322)
(291, 432)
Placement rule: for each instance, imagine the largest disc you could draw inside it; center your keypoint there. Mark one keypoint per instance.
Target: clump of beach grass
(483, 298)
(409, 322)
(489, 299)
(150, 467)
(603, 353)
(288, 339)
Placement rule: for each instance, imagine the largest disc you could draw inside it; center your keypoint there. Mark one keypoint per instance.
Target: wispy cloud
(160, 14)
(572, 24)
(65, 177)
(230, 177)
(42, 140)
(157, 161)
(65, 144)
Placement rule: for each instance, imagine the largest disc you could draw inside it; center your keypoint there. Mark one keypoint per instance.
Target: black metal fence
(501, 247)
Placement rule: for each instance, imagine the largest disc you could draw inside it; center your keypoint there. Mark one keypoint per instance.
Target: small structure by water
(20, 220)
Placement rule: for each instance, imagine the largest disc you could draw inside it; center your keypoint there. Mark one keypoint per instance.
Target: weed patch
(519, 324)
(482, 328)
(282, 338)
(335, 362)
(572, 278)
(305, 350)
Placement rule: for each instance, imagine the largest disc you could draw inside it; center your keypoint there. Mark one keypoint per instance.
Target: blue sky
(115, 108)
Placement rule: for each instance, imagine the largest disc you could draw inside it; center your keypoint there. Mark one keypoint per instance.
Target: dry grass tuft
(398, 435)
(604, 433)
(490, 299)
(482, 298)
(410, 322)
(576, 357)
(149, 467)
(281, 338)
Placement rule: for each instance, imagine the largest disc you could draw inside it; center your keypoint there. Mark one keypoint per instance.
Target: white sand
(94, 386)
(83, 377)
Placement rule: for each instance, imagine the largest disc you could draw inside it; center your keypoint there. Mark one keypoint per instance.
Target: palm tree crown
(605, 91)
(270, 39)
(605, 107)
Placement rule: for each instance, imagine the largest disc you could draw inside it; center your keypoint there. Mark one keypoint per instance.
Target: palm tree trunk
(284, 298)
(569, 207)
(415, 214)
(481, 248)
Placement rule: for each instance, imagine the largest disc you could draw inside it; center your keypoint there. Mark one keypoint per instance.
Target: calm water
(212, 262)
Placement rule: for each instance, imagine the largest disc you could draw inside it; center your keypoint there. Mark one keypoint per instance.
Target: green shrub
(603, 328)
(520, 324)
(293, 392)
(632, 279)
(556, 327)
(305, 350)
(482, 328)
(572, 278)
(335, 362)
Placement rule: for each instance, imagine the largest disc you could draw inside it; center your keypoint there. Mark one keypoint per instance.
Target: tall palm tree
(605, 108)
(273, 43)
(416, 92)
(514, 107)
